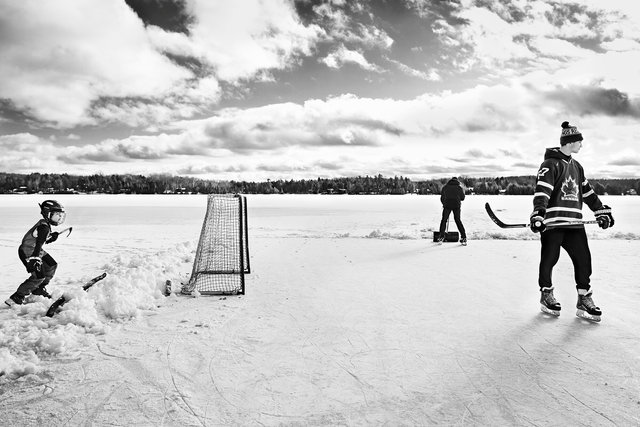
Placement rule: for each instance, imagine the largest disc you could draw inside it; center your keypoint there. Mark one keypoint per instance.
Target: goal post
(222, 255)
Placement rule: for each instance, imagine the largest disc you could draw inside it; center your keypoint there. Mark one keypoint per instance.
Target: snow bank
(133, 285)
(493, 233)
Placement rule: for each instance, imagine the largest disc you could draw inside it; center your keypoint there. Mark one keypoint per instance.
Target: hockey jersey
(561, 188)
(34, 239)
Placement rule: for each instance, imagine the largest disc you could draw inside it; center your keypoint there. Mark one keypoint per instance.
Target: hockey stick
(54, 235)
(501, 224)
(55, 307)
(67, 230)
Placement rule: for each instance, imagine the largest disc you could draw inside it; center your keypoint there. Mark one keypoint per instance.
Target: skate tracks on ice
(362, 332)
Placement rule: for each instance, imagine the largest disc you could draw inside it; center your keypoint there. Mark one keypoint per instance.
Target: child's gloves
(604, 217)
(536, 220)
(34, 264)
(52, 237)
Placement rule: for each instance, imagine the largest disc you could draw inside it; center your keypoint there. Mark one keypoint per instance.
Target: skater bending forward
(36, 260)
(561, 188)
(451, 197)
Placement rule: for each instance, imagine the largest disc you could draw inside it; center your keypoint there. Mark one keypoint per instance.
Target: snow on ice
(134, 283)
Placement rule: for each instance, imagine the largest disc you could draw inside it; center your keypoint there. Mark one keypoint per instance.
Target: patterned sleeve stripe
(545, 184)
(541, 195)
(585, 183)
(587, 194)
(564, 209)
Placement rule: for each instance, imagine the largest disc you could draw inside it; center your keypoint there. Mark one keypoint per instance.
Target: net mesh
(222, 256)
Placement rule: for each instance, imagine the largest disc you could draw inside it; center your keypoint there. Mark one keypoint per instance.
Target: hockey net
(222, 256)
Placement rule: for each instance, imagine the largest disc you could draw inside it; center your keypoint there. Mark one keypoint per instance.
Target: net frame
(222, 255)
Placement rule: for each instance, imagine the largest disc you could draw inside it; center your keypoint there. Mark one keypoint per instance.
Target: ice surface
(352, 317)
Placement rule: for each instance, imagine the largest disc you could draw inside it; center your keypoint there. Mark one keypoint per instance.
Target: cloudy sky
(270, 89)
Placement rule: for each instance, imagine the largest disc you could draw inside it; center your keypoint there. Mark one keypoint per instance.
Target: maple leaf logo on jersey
(570, 189)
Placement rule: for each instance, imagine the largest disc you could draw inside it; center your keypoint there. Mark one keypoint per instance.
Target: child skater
(561, 188)
(37, 261)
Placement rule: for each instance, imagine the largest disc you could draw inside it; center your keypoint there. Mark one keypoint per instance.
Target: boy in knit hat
(561, 188)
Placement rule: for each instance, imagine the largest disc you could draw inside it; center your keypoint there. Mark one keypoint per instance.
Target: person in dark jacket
(451, 197)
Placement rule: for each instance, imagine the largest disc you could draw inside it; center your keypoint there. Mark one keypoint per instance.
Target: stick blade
(57, 304)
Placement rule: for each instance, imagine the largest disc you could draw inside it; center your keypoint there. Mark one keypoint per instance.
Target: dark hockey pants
(574, 242)
(37, 278)
(456, 217)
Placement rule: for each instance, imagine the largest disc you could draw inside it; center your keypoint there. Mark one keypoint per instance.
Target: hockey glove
(604, 217)
(34, 264)
(52, 237)
(536, 220)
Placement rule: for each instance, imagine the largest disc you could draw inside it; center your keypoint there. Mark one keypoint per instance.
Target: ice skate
(440, 240)
(463, 241)
(14, 300)
(548, 303)
(42, 291)
(587, 309)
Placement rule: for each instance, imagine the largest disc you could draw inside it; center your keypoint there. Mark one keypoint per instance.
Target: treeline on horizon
(169, 184)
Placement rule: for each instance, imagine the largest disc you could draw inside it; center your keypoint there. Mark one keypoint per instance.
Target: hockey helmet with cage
(53, 212)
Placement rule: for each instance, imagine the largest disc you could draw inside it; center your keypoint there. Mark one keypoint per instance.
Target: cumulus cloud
(129, 149)
(208, 169)
(635, 161)
(530, 35)
(593, 100)
(25, 152)
(251, 36)
(60, 57)
(478, 153)
(316, 123)
(64, 64)
(475, 85)
(342, 56)
(350, 23)
(21, 142)
(430, 75)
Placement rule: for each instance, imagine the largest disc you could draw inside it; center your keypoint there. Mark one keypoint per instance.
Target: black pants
(574, 242)
(456, 216)
(37, 279)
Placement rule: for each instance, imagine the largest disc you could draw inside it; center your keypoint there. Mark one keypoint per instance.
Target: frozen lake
(352, 317)
(105, 226)
(180, 216)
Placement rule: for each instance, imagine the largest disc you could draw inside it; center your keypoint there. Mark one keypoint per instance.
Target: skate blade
(584, 315)
(10, 303)
(547, 310)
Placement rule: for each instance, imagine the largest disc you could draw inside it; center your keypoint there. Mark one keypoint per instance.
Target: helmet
(53, 212)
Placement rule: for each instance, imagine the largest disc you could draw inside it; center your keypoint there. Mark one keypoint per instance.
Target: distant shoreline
(54, 184)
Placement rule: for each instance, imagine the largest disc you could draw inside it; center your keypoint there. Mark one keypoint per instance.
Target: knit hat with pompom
(569, 134)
